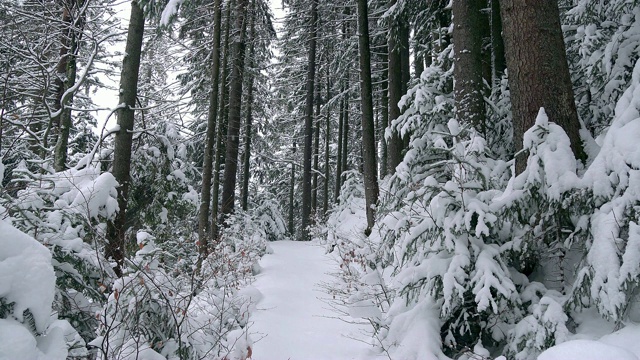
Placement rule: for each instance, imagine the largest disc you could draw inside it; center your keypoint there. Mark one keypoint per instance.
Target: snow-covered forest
(452, 179)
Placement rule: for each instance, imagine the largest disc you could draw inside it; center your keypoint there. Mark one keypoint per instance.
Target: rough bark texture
(246, 174)
(308, 124)
(116, 228)
(66, 122)
(538, 70)
(221, 136)
(292, 187)
(368, 128)
(316, 154)
(327, 153)
(235, 106)
(467, 42)
(394, 143)
(212, 119)
(498, 61)
(339, 155)
(384, 113)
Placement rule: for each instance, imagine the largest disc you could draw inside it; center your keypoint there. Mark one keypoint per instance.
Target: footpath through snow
(292, 319)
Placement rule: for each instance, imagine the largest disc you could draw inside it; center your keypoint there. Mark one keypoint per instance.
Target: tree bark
(384, 113)
(116, 228)
(467, 42)
(538, 70)
(394, 143)
(327, 165)
(498, 61)
(66, 122)
(222, 126)
(368, 129)
(249, 119)
(316, 155)
(235, 105)
(212, 119)
(292, 187)
(339, 155)
(308, 124)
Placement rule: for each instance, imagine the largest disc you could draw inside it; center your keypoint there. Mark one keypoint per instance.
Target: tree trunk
(327, 166)
(316, 155)
(340, 150)
(467, 42)
(235, 105)
(368, 128)
(394, 143)
(292, 187)
(66, 122)
(418, 61)
(212, 119)
(222, 126)
(246, 174)
(384, 113)
(308, 124)
(115, 248)
(498, 61)
(538, 70)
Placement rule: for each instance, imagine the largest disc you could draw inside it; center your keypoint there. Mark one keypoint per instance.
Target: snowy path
(295, 322)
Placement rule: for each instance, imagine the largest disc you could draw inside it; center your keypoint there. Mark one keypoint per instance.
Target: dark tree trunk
(308, 124)
(394, 143)
(467, 42)
(316, 155)
(384, 113)
(221, 136)
(368, 128)
(498, 61)
(116, 228)
(345, 130)
(66, 122)
(538, 70)
(212, 119)
(292, 187)
(235, 106)
(246, 174)
(327, 166)
(418, 61)
(340, 150)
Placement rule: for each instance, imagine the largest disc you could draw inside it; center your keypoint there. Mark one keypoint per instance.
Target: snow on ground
(292, 321)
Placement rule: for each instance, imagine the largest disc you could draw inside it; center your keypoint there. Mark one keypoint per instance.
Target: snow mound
(586, 350)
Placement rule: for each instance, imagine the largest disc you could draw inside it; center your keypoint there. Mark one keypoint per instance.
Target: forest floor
(294, 319)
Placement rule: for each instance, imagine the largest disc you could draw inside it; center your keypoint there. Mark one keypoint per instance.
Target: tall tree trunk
(467, 42)
(66, 122)
(316, 155)
(339, 155)
(246, 174)
(221, 136)
(212, 119)
(345, 130)
(368, 128)
(292, 187)
(394, 143)
(418, 61)
(308, 123)
(498, 61)
(116, 228)
(235, 105)
(384, 113)
(327, 165)
(538, 70)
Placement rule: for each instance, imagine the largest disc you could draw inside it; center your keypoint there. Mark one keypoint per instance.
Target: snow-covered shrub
(67, 212)
(610, 273)
(268, 215)
(604, 47)
(27, 327)
(155, 312)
